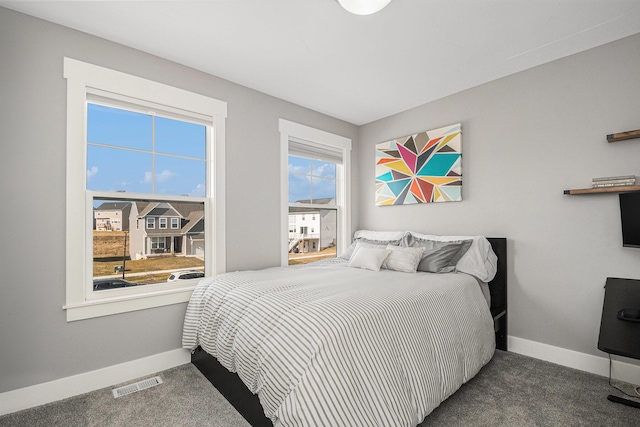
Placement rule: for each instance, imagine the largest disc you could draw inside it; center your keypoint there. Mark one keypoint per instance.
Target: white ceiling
(356, 68)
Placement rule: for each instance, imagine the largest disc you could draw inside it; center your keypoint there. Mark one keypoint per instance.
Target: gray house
(112, 216)
(161, 228)
(312, 229)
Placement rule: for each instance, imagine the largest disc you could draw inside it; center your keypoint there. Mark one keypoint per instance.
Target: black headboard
(498, 289)
(498, 286)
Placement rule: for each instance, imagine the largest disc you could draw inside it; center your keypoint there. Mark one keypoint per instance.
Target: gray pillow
(441, 257)
(382, 243)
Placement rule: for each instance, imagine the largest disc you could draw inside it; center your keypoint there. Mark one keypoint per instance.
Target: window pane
(326, 169)
(299, 180)
(312, 234)
(127, 252)
(180, 138)
(311, 181)
(180, 177)
(129, 170)
(113, 169)
(299, 165)
(299, 188)
(122, 128)
(323, 190)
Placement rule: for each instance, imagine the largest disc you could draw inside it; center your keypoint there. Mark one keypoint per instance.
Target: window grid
(152, 152)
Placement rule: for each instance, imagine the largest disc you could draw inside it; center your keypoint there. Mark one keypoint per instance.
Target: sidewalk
(119, 275)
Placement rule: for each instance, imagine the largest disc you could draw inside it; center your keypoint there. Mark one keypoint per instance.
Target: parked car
(102, 284)
(185, 274)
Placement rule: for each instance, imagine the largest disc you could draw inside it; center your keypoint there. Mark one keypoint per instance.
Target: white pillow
(479, 261)
(403, 259)
(369, 258)
(365, 244)
(378, 238)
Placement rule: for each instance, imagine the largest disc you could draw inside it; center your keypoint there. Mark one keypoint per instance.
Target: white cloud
(161, 177)
(199, 191)
(325, 169)
(302, 170)
(165, 176)
(92, 172)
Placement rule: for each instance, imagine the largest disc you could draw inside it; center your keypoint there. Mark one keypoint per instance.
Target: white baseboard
(623, 369)
(40, 394)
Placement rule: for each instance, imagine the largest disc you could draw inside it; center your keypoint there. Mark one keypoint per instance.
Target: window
(315, 184)
(159, 151)
(160, 243)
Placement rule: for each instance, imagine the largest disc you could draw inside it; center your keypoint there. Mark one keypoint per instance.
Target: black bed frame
(498, 289)
(248, 404)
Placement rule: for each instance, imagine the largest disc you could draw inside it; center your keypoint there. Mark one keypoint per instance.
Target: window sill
(124, 304)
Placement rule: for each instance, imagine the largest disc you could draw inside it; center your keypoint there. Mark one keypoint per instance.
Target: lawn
(305, 258)
(108, 248)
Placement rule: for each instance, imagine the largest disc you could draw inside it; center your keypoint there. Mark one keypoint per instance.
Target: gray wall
(36, 342)
(526, 138)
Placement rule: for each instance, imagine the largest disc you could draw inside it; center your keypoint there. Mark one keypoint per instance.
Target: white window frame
(155, 240)
(151, 223)
(315, 138)
(162, 225)
(83, 77)
(174, 223)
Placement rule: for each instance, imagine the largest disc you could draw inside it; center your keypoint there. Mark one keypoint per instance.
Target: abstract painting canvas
(421, 168)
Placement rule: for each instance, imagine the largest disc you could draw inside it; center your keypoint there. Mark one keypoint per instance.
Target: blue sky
(132, 144)
(311, 179)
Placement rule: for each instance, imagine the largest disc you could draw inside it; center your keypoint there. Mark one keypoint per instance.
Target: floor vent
(132, 388)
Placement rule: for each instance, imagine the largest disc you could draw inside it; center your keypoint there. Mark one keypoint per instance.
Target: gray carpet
(516, 390)
(185, 398)
(512, 390)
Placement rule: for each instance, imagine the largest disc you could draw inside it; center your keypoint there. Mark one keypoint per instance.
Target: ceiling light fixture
(363, 7)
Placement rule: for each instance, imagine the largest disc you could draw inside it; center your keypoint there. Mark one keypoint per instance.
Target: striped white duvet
(329, 345)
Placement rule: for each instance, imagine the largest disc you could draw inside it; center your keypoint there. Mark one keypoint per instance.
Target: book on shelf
(614, 184)
(613, 181)
(614, 178)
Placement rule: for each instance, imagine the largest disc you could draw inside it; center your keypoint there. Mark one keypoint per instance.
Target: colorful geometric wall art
(421, 168)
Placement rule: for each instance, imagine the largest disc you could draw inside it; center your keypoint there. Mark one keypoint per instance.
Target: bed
(330, 344)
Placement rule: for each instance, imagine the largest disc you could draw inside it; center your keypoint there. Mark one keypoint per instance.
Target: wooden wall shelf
(621, 136)
(620, 189)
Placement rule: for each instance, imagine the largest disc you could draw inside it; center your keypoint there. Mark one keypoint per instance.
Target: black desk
(620, 325)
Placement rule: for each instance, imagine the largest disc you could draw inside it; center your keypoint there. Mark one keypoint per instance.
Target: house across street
(151, 240)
